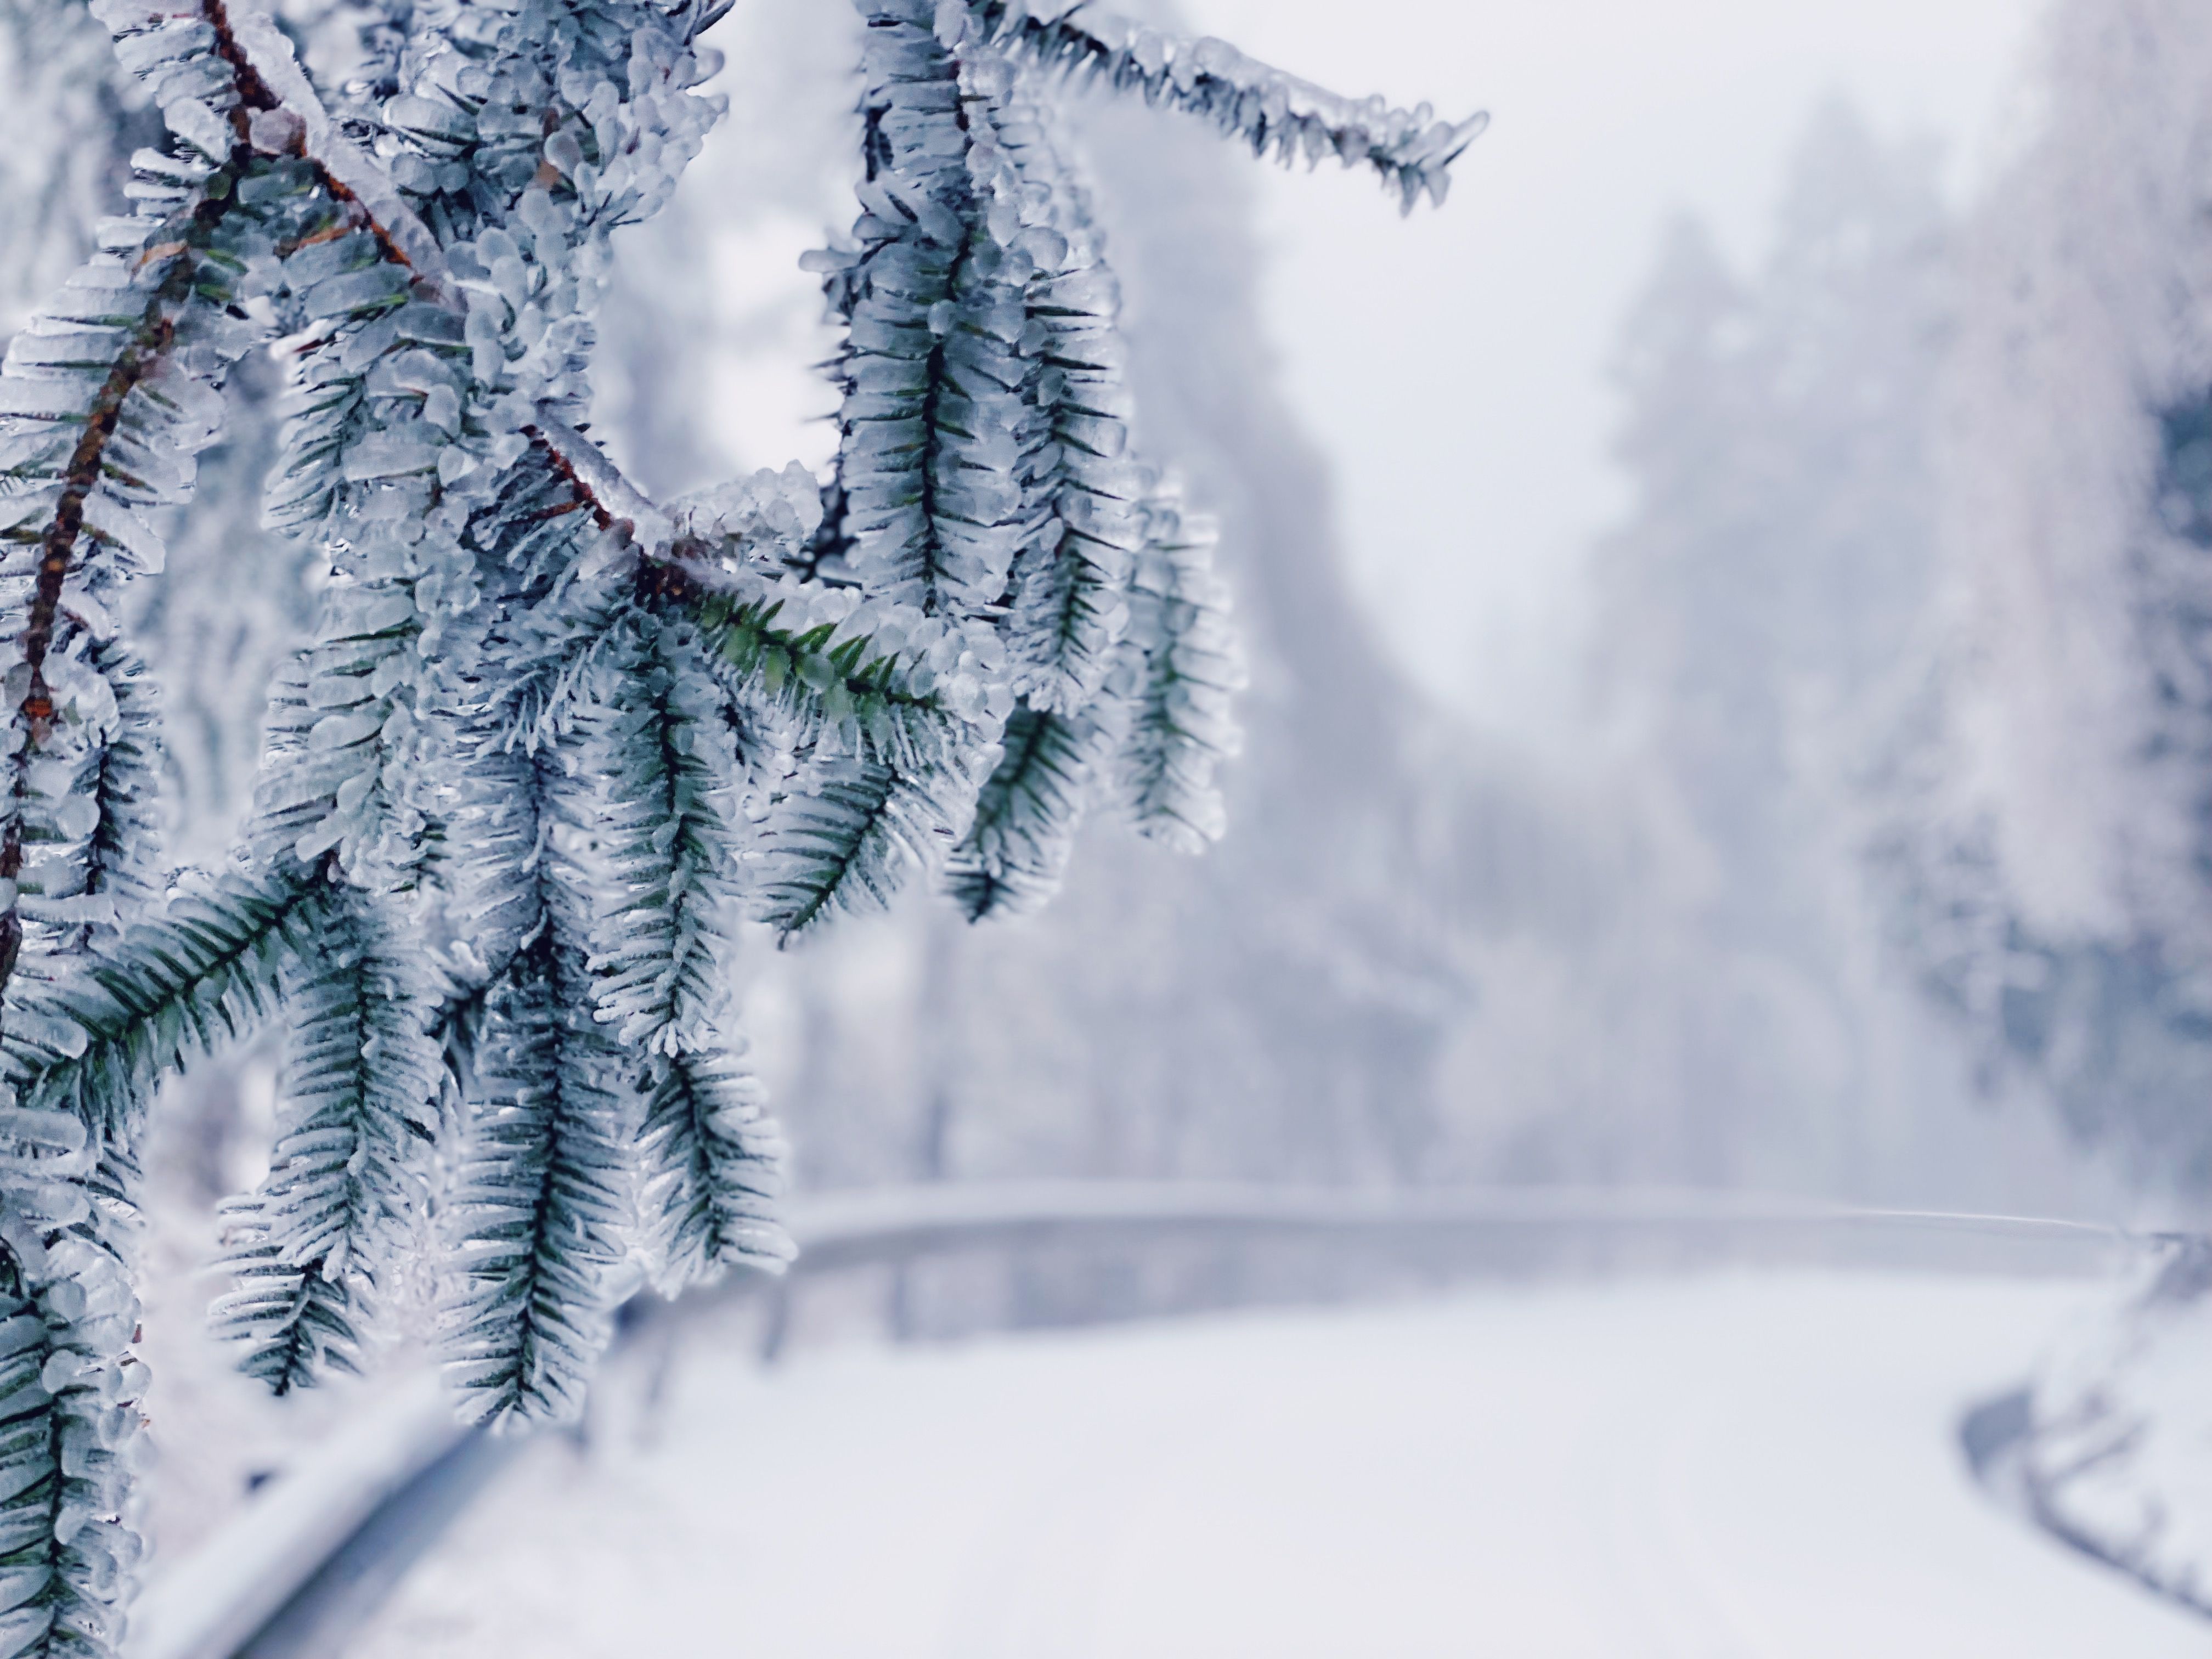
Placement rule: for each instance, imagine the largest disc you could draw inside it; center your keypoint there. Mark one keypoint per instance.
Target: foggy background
(1731, 717)
(1467, 419)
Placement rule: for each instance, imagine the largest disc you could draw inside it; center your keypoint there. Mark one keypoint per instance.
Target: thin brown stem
(147, 344)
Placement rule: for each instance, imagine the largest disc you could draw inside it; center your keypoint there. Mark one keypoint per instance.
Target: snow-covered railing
(839, 1229)
(318, 1546)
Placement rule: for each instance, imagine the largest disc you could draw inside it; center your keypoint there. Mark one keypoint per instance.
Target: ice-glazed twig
(287, 117)
(614, 502)
(1410, 149)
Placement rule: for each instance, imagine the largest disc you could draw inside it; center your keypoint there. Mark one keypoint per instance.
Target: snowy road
(1752, 1466)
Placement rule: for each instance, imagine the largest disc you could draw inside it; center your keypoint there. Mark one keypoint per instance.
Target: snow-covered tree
(2052, 843)
(1697, 987)
(2055, 851)
(547, 741)
(1764, 593)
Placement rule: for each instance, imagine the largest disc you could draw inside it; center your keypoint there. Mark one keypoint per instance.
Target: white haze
(1452, 367)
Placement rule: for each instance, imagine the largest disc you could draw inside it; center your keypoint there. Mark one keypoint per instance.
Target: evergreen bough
(551, 743)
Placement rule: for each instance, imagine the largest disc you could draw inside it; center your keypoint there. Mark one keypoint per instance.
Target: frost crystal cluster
(551, 743)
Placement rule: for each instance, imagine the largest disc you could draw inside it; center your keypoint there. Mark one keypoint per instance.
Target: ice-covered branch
(317, 1245)
(112, 389)
(1411, 149)
(1181, 723)
(989, 467)
(69, 1392)
(203, 971)
(613, 500)
(105, 398)
(670, 844)
(1017, 849)
(894, 714)
(286, 117)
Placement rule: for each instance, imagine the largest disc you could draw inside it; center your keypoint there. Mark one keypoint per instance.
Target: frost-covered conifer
(2055, 830)
(1767, 587)
(2054, 823)
(546, 743)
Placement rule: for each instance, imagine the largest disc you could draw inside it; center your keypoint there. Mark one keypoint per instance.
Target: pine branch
(1410, 150)
(659, 775)
(80, 368)
(295, 1325)
(1016, 853)
(664, 773)
(552, 1104)
(713, 1168)
(897, 714)
(852, 832)
(894, 689)
(281, 115)
(319, 1244)
(540, 1209)
(103, 413)
(1069, 608)
(69, 1419)
(932, 502)
(120, 874)
(1180, 727)
(207, 968)
(87, 830)
(615, 503)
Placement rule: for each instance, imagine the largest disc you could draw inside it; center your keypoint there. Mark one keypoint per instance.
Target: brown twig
(149, 343)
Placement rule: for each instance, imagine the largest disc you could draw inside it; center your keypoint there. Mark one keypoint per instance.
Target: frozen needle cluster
(551, 745)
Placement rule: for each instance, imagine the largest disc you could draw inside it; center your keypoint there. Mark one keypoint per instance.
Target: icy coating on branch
(552, 746)
(1269, 110)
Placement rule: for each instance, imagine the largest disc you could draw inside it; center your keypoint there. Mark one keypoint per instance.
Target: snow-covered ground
(1734, 1466)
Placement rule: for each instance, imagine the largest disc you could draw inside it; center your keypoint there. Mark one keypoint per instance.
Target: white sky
(1452, 365)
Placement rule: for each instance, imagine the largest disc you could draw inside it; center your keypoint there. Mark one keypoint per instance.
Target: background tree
(1778, 563)
(1721, 1008)
(2053, 833)
(2062, 890)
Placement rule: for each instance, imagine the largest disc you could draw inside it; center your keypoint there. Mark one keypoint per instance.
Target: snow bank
(1760, 1466)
